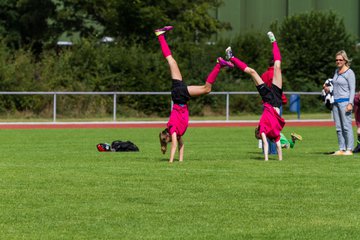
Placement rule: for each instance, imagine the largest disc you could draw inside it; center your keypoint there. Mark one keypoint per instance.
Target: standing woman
(344, 93)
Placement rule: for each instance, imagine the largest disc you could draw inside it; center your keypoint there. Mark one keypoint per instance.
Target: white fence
(115, 94)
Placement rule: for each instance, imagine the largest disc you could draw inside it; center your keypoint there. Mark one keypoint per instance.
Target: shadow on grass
(260, 156)
(272, 157)
(329, 153)
(164, 159)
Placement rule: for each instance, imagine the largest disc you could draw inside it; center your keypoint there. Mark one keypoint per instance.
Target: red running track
(294, 123)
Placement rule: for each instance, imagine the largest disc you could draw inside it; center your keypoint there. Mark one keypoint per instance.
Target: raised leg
(254, 75)
(174, 68)
(244, 67)
(199, 90)
(277, 79)
(206, 89)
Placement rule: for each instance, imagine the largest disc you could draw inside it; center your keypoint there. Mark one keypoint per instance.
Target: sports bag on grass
(120, 146)
(103, 147)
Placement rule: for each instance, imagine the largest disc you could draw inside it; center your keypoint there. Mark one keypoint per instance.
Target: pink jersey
(271, 123)
(179, 119)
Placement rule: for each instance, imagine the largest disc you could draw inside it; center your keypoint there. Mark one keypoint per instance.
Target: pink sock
(276, 51)
(240, 64)
(164, 46)
(213, 74)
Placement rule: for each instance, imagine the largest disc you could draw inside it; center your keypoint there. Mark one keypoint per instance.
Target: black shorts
(270, 95)
(179, 92)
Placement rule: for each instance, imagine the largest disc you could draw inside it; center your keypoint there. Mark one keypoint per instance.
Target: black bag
(120, 146)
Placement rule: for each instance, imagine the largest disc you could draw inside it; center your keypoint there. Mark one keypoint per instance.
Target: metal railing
(115, 94)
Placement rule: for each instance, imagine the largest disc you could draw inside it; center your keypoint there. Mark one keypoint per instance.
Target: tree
(21, 22)
(137, 19)
(79, 17)
(38, 22)
(309, 43)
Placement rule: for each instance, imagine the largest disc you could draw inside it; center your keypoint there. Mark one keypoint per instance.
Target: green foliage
(23, 24)
(308, 44)
(134, 61)
(136, 19)
(308, 54)
(91, 66)
(18, 73)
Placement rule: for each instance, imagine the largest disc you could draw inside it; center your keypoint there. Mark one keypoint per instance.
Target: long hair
(344, 55)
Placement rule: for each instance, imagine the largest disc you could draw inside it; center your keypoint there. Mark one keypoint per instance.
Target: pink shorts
(179, 120)
(271, 123)
(357, 109)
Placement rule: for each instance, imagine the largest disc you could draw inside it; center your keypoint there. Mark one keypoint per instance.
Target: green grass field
(55, 185)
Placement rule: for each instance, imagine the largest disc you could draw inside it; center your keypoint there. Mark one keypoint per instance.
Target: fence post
(227, 105)
(114, 108)
(54, 108)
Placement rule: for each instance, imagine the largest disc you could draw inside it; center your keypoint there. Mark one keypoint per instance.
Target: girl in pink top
(271, 123)
(181, 94)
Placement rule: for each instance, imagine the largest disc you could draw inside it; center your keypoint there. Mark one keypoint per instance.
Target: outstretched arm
(174, 143)
(266, 146)
(279, 150)
(181, 149)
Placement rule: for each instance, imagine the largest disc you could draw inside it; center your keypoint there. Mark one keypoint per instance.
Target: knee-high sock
(164, 46)
(213, 74)
(240, 64)
(276, 52)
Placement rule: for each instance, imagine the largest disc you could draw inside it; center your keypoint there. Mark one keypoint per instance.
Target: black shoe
(357, 149)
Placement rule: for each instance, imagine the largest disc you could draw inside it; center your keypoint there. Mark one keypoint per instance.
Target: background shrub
(308, 43)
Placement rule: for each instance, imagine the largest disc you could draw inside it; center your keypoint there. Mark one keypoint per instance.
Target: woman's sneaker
(339, 153)
(163, 30)
(348, 153)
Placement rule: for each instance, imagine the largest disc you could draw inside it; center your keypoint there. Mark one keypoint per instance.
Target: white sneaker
(228, 53)
(348, 153)
(271, 37)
